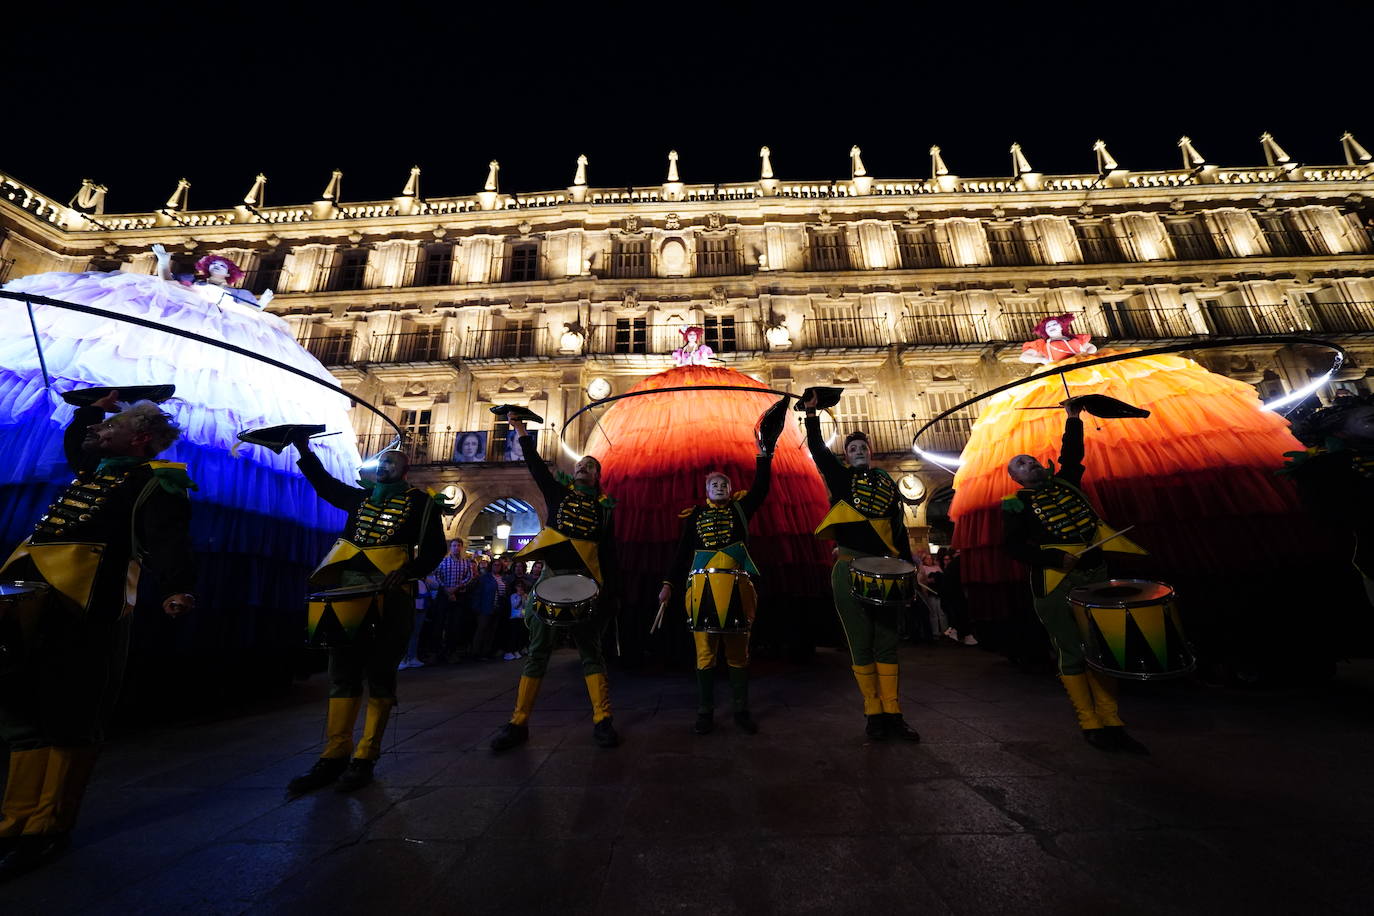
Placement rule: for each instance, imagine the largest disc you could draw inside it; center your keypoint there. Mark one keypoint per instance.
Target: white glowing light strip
(1298, 395)
(567, 450)
(939, 460)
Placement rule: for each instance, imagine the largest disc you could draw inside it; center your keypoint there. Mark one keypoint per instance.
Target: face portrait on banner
(471, 446)
(512, 450)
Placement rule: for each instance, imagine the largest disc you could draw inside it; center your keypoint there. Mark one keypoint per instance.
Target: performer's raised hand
(1068, 562)
(107, 403)
(174, 605)
(164, 262)
(265, 298)
(1072, 407)
(811, 402)
(301, 440)
(516, 424)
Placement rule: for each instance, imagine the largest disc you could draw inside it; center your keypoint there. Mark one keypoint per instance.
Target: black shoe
(1124, 742)
(604, 734)
(745, 722)
(705, 724)
(510, 735)
(31, 852)
(897, 728)
(358, 774)
(325, 771)
(877, 727)
(1099, 738)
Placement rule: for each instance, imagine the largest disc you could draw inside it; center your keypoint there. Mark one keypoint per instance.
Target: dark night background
(136, 96)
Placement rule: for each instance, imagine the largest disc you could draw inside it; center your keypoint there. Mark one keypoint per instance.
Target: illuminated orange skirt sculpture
(1196, 478)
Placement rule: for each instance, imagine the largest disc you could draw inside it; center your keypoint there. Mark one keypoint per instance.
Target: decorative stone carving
(715, 221)
(630, 224)
(512, 384)
(717, 297)
(942, 372)
(912, 214)
(825, 217)
(631, 298)
(672, 221)
(525, 228)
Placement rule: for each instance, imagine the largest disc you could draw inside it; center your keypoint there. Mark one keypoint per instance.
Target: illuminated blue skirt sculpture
(258, 526)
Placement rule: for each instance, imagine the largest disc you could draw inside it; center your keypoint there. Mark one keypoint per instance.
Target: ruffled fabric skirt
(1196, 478)
(656, 450)
(257, 524)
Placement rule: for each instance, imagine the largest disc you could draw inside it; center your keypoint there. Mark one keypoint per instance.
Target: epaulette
(607, 501)
(687, 512)
(172, 477)
(738, 495)
(440, 499)
(1013, 504)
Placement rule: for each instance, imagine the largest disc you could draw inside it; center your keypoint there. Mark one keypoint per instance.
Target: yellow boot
(599, 689)
(374, 725)
(1104, 698)
(887, 688)
(603, 732)
(343, 713)
(64, 785)
(524, 699)
(867, 677)
(1081, 696)
(22, 789)
(894, 725)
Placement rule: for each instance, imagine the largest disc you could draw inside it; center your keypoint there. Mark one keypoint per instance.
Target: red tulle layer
(656, 450)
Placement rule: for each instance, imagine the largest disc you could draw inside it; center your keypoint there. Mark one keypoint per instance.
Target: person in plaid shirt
(450, 584)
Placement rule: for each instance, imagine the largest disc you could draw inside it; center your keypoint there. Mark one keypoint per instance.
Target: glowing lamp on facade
(598, 388)
(503, 529)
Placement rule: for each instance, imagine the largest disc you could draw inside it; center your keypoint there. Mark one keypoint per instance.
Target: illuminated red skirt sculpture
(656, 450)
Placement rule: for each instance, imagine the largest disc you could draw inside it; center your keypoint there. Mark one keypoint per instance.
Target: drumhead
(21, 589)
(568, 589)
(882, 566)
(347, 591)
(1122, 593)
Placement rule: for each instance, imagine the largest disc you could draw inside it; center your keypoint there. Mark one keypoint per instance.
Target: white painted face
(1054, 329)
(717, 488)
(587, 472)
(219, 269)
(858, 454)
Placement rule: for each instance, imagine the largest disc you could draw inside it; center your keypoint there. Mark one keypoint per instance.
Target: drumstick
(337, 432)
(658, 621)
(1108, 538)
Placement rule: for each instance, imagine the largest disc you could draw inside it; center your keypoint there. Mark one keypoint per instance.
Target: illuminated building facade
(911, 294)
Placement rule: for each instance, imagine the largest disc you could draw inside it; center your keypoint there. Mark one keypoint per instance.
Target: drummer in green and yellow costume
(865, 520)
(713, 537)
(394, 536)
(578, 538)
(1049, 522)
(122, 510)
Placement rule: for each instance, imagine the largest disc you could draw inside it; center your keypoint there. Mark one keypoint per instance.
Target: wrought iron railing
(515, 341)
(956, 327)
(844, 333)
(330, 349)
(830, 257)
(411, 347)
(1342, 317)
(1245, 320)
(337, 278)
(483, 446)
(1147, 323)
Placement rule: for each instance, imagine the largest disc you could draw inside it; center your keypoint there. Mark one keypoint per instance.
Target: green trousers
(871, 631)
(1054, 612)
(586, 635)
(63, 690)
(374, 660)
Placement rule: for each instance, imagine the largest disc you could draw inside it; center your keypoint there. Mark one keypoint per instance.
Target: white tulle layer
(218, 394)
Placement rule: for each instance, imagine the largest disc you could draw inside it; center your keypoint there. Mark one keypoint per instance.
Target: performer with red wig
(216, 278)
(694, 351)
(714, 537)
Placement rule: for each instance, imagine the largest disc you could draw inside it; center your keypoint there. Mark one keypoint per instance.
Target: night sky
(136, 96)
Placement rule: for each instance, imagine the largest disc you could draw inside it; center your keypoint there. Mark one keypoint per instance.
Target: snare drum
(21, 606)
(882, 581)
(1131, 629)
(338, 617)
(564, 601)
(720, 600)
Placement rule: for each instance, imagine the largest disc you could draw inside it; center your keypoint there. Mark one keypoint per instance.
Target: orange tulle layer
(656, 450)
(1196, 477)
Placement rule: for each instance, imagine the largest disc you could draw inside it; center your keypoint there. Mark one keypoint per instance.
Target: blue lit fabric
(258, 527)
